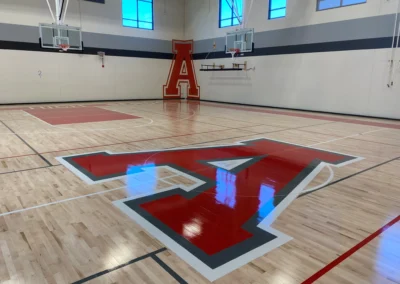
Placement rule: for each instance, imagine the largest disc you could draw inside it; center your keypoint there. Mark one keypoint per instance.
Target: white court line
(110, 190)
(61, 201)
(330, 178)
(350, 136)
(80, 197)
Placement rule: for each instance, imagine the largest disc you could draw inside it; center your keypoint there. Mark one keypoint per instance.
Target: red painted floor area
(77, 115)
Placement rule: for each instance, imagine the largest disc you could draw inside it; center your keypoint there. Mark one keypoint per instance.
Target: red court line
(19, 156)
(142, 140)
(348, 253)
(119, 143)
(305, 115)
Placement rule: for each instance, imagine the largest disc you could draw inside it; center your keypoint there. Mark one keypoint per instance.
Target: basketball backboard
(52, 36)
(242, 39)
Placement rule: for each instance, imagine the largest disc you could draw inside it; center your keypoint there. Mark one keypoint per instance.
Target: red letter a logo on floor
(182, 71)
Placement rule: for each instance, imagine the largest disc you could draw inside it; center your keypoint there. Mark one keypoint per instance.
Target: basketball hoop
(233, 52)
(64, 47)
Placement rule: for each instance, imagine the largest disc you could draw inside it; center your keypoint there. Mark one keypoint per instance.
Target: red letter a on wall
(182, 70)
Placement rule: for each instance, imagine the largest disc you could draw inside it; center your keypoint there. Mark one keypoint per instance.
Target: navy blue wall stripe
(359, 44)
(28, 46)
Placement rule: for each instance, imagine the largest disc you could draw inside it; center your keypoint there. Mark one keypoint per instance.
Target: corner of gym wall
(137, 61)
(333, 61)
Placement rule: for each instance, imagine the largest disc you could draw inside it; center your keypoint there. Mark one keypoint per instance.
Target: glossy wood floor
(55, 228)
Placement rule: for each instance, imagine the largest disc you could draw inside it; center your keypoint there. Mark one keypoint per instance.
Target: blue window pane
(352, 2)
(145, 11)
(280, 13)
(147, 26)
(137, 14)
(226, 11)
(129, 23)
(129, 9)
(328, 4)
(226, 23)
(276, 4)
(228, 16)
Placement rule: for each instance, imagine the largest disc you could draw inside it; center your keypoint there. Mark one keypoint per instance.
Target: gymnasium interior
(200, 141)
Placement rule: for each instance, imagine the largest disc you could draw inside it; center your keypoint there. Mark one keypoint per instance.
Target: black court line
(101, 273)
(26, 143)
(350, 176)
(376, 142)
(168, 269)
(27, 170)
(258, 134)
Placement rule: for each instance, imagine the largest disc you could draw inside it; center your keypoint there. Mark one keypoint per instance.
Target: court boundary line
(349, 252)
(106, 271)
(26, 143)
(27, 170)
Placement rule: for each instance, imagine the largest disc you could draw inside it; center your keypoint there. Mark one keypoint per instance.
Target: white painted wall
(70, 77)
(73, 77)
(351, 82)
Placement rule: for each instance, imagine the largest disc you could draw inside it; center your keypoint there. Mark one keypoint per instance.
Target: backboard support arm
(51, 11)
(61, 11)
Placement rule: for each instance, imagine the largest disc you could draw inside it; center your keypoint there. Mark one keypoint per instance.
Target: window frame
(340, 6)
(232, 18)
(137, 14)
(270, 10)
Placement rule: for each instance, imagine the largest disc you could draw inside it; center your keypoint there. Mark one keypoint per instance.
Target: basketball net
(233, 52)
(63, 47)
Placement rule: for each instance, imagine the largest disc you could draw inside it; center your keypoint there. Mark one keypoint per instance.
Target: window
(329, 4)
(228, 15)
(277, 9)
(137, 14)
